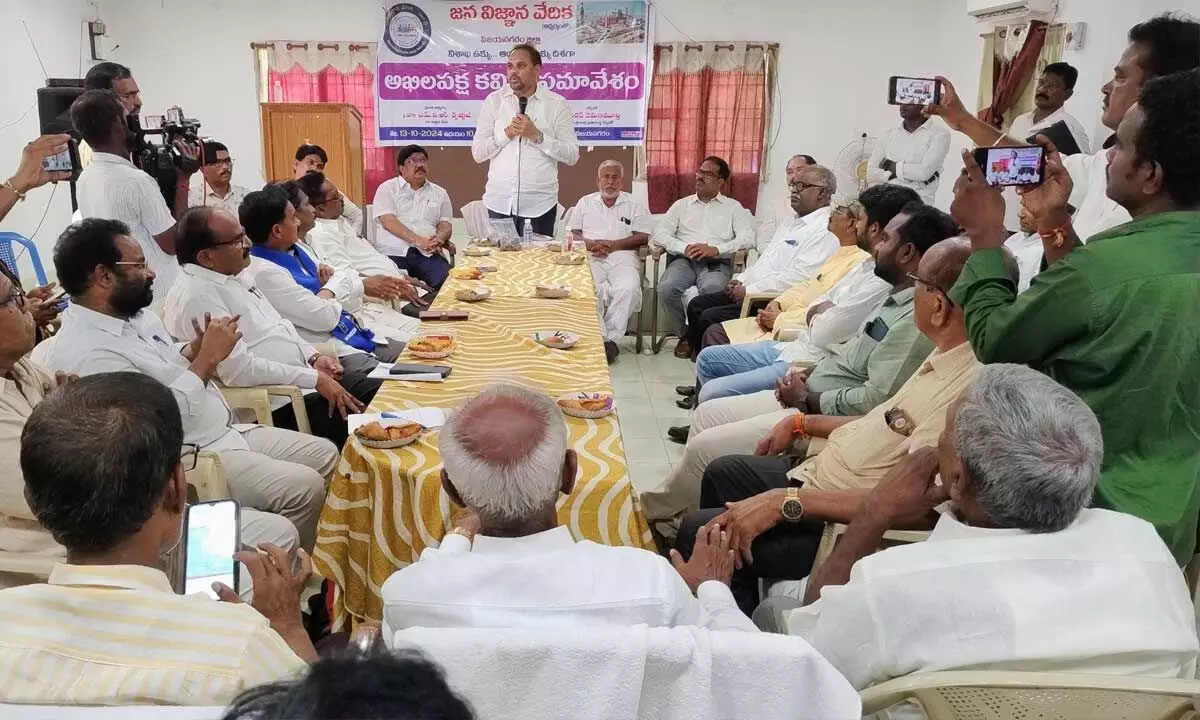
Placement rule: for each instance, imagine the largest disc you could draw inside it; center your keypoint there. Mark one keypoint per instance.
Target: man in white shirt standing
(1054, 88)
(1018, 574)
(508, 562)
(413, 216)
(112, 188)
(911, 155)
(700, 233)
(779, 212)
(524, 132)
(613, 226)
(795, 254)
(277, 475)
(216, 188)
(313, 158)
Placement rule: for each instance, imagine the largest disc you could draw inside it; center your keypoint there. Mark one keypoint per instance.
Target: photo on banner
(439, 60)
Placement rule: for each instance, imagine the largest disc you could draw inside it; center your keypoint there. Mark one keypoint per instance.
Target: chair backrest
(475, 217)
(368, 228)
(987, 695)
(10, 256)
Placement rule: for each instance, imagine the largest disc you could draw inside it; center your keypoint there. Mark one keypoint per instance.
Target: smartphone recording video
(212, 534)
(914, 91)
(1012, 166)
(59, 163)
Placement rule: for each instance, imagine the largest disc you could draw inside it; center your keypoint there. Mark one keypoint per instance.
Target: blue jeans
(725, 370)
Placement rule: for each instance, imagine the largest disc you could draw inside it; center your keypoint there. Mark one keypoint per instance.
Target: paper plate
(552, 291)
(477, 251)
(473, 294)
(569, 259)
(434, 355)
(587, 414)
(544, 337)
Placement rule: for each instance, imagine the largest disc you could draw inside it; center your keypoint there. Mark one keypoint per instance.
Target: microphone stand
(522, 104)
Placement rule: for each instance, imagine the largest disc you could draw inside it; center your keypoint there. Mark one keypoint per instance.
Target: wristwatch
(792, 509)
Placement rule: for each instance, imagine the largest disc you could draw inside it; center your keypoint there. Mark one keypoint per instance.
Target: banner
(438, 60)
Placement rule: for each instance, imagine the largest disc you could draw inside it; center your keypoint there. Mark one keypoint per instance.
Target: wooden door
(336, 127)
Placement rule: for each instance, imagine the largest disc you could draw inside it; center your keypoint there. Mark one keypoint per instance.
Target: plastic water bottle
(527, 233)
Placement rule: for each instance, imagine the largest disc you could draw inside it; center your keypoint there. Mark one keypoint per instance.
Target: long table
(385, 506)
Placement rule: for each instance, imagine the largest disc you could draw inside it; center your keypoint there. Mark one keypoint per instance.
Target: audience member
(314, 299)
(380, 686)
(413, 217)
(797, 253)
(277, 475)
(911, 155)
(509, 563)
(118, 78)
(30, 173)
(112, 188)
(613, 227)
(1018, 574)
(1112, 320)
(700, 234)
(103, 473)
(779, 212)
(216, 188)
(1054, 88)
(215, 251)
(313, 158)
(37, 302)
(1026, 246)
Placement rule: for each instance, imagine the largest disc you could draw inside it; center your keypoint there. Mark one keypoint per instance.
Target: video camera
(160, 160)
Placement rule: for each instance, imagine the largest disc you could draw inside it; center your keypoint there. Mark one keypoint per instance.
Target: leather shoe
(611, 351)
(679, 433)
(687, 403)
(686, 390)
(683, 350)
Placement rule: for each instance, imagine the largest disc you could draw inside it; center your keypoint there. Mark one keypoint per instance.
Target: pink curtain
(1011, 76)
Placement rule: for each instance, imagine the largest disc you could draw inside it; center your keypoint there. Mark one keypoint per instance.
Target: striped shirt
(118, 635)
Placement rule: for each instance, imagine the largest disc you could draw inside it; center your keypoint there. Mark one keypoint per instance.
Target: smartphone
(212, 534)
(1012, 166)
(65, 161)
(419, 369)
(914, 91)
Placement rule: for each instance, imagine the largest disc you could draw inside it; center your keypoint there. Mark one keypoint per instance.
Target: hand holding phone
(913, 91)
(212, 535)
(1012, 166)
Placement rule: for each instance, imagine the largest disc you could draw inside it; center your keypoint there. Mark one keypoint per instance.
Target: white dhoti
(618, 279)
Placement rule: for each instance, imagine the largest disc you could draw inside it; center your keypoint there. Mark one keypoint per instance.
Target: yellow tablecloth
(385, 506)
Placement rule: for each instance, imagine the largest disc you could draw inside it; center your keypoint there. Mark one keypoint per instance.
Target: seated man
(314, 301)
(726, 370)
(505, 458)
(102, 468)
(700, 233)
(268, 351)
(1019, 574)
(313, 158)
(777, 212)
(613, 226)
(277, 475)
(412, 218)
(216, 188)
(1028, 249)
(794, 255)
(861, 446)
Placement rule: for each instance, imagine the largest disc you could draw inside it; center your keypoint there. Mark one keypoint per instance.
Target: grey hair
(1032, 447)
(828, 179)
(517, 488)
(611, 163)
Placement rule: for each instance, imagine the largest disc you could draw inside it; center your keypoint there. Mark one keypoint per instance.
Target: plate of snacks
(474, 293)
(483, 243)
(569, 259)
(487, 268)
(433, 346)
(466, 273)
(554, 247)
(476, 251)
(553, 291)
(588, 406)
(385, 437)
(555, 339)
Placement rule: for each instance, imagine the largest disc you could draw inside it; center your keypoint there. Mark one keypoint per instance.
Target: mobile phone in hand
(1023, 166)
(212, 533)
(913, 91)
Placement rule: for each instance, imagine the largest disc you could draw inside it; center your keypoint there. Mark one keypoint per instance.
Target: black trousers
(333, 427)
(543, 225)
(707, 310)
(785, 552)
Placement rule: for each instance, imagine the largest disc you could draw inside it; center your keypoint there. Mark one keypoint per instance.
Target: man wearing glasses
(216, 189)
(412, 218)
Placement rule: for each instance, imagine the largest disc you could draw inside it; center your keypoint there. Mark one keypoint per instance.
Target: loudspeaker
(54, 105)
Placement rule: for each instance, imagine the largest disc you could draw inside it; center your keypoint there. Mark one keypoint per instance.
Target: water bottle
(527, 233)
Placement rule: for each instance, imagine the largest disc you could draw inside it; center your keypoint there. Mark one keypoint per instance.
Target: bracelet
(798, 426)
(9, 184)
(1058, 235)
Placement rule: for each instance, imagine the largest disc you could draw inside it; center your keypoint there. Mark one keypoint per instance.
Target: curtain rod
(721, 46)
(320, 46)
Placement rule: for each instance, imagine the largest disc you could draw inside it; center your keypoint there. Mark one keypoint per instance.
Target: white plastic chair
(992, 695)
(257, 399)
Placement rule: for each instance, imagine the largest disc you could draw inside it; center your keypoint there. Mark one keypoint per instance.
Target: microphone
(523, 103)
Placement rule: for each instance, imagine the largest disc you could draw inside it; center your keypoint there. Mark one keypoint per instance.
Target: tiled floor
(645, 389)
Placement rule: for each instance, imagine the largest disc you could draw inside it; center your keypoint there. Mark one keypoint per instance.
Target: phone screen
(59, 163)
(212, 536)
(1007, 166)
(914, 91)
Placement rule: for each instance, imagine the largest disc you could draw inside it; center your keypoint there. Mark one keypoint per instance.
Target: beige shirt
(859, 454)
(19, 529)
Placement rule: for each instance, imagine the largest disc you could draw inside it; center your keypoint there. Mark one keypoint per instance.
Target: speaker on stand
(54, 114)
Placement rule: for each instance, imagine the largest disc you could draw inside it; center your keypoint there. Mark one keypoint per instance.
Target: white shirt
(113, 189)
(918, 155)
(348, 251)
(855, 297)
(535, 165)
(772, 216)
(598, 221)
(91, 343)
(203, 195)
(270, 352)
(1028, 250)
(1024, 126)
(721, 222)
(1103, 596)
(1094, 211)
(314, 317)
(549, 579)
(352, 213)
(418, 210)
(795, 254)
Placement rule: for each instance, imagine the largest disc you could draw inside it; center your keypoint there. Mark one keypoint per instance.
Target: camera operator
(112, 188)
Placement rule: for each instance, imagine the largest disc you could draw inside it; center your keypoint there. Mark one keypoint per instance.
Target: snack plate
(438, 355)
(588, 414)
(544, 337)
(552, 291)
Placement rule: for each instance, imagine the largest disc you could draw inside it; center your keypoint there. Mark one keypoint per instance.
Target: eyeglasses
(932, 286)
(141, 264)
(16, 296)
(846, 210)
(239, 240)
(228, 162)
(189, 456)
(802, 186)
(706, 174)
(129, 95)
(331, 198)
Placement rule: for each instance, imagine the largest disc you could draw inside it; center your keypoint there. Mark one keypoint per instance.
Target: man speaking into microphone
(524, 132)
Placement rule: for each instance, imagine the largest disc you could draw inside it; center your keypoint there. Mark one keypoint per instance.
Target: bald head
(943, 263)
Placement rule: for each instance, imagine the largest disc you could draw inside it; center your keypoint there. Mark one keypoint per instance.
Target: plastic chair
(833, 532)
(990, 695)
(209, 477)
(257, 399)
(657, 339)
(10, 258)
(21, 564)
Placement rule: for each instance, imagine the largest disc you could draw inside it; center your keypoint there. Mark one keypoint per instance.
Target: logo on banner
(407, 29)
